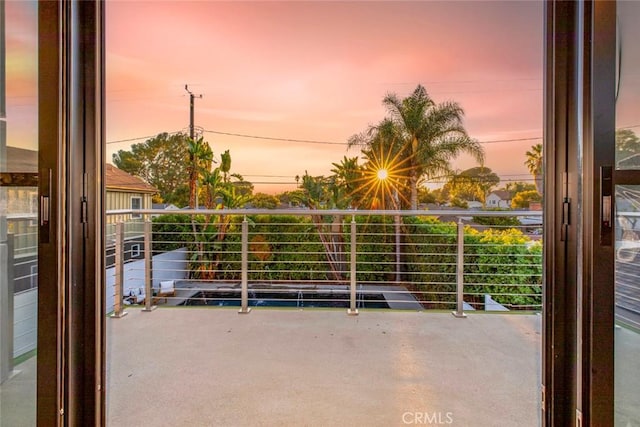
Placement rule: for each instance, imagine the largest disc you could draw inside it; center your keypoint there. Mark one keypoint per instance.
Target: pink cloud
(319, 70)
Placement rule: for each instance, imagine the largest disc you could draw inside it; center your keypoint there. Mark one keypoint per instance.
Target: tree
(441, 195)
(200, 161)
(220, 193)
(225, 165)
(627, 149)
(347, 177)
(386, 170)
(425, 134)
(217, 184)
(264, 201)
(427, 196)
(534, 163)
(161, 162)
(516, 187)
(291, 198)
(523, 199)
(212, 184)
(244, 188)
(473, 184)
(319, 192)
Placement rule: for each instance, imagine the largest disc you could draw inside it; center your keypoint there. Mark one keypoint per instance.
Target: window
(135, 251)
(136, 203)
(34, 276)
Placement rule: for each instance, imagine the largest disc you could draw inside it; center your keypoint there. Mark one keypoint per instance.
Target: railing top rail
(19, 216)
(308, 212)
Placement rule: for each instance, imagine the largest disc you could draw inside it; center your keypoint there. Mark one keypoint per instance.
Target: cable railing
(628, 268)
(324, 258)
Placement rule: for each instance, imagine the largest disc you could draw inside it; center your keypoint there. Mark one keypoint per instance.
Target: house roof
(632, 161)
(20, 160)
(502, 194)
(120, 180)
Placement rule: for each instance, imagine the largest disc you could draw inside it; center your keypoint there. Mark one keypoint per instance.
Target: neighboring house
(473, 204)
(22, 216)
(21, 200)
(631, 162)
(165, 206)
(125, 191)
(499, 199)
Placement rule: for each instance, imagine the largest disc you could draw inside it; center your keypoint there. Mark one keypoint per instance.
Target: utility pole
(192, 132)
(192, 98)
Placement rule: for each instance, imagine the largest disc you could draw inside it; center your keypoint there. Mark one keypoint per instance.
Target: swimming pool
(285, 298)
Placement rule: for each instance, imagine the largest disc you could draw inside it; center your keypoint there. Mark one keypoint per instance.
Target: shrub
(503, 263)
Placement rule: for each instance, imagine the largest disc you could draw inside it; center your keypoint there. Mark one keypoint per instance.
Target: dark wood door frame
(70, 332)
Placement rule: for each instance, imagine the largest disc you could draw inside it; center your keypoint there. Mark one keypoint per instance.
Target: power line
(458, 81)
(141, 137)
(305, 141)
(308, 141)
(268, 176)
(537, 138)
(428, 182)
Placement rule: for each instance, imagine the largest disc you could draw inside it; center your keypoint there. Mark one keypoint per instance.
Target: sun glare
(383, 183)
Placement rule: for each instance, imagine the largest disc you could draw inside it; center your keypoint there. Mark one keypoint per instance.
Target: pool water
(296, 299)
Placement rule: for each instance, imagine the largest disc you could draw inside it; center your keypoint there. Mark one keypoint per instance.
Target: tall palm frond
(534, 163)
(426, 135)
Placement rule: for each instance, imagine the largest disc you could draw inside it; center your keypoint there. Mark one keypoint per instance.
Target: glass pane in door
(18, 211)
(281, 88)
(627, 334)
(628, 87)
(627, 250)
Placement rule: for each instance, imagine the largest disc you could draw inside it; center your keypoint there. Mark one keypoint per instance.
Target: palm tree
(225, 165)
(347, 177)
(212, 182)
(535, 165)
(200, 160)
(423, 134)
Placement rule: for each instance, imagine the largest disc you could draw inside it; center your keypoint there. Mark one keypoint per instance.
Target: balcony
(211, 366)
(285, 360)
(440, 260)
(195, 361)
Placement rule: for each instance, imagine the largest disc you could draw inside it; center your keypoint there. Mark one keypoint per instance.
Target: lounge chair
(167, 289)
(135, 296)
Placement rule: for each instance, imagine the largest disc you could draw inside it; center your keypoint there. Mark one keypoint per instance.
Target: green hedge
(505, 263)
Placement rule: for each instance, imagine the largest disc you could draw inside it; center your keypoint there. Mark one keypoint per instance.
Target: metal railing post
(396, 222)
(7, 257)
(244, 290)
(353, 311)
(460, 273)
(118, 308)
(148, 272)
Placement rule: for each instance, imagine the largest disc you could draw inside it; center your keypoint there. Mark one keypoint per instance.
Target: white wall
(494, 201)
(167, 266)
(25, 322)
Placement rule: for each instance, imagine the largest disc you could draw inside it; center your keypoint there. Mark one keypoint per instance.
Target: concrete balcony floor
(276, 367)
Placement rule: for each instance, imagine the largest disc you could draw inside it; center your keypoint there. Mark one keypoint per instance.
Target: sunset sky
(318, 71)
(315, 71)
